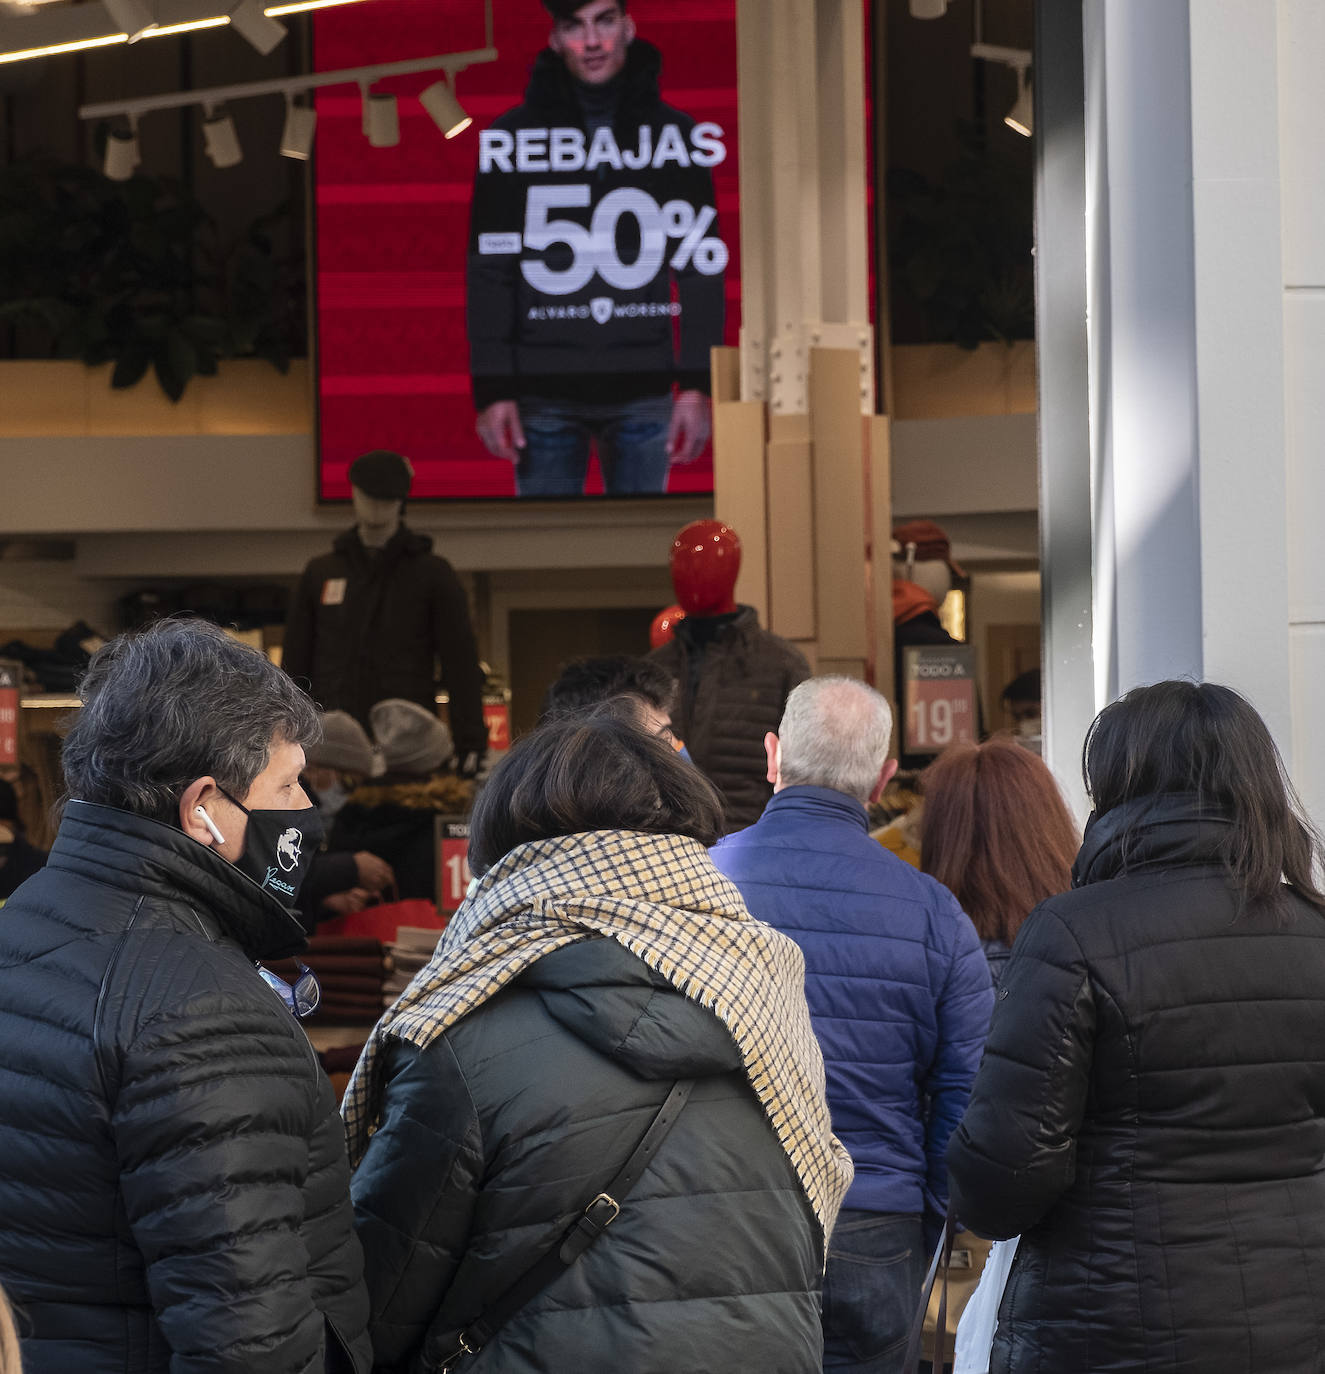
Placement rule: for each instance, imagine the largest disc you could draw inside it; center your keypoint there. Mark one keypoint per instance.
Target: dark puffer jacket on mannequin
(733, 678)
(1150, 1116)
(367, 624)
(500, 1132)
(174, 1191)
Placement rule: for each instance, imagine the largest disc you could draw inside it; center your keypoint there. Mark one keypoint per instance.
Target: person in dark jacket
(174, 1191)
(898, 990)
(593, 238)
(19, 859)
(381, 616)
(996, 832)
(600, 961)
(1150, 1113)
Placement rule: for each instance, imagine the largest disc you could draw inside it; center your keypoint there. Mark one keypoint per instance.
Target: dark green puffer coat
(495, 1137)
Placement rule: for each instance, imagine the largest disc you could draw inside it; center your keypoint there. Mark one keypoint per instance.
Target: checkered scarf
(660, 897)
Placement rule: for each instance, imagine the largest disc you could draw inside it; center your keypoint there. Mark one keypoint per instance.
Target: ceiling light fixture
(220, 139)
(56, 29)
(297, 136)
(250, 21)
(1019, 117)
(122, 154)
(216, 22)
(55, 49)
(131, 17)
(381, 119)
(447, 112)
(928, 9)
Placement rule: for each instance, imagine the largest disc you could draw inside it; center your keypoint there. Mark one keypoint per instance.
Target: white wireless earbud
(210, 824)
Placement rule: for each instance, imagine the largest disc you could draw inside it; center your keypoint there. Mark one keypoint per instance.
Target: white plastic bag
(979, 1320)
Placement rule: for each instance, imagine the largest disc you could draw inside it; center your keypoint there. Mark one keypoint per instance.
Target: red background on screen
(392, 226)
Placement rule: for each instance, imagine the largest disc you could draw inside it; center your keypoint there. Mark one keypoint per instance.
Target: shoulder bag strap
(942, 1258)
(600, 1213)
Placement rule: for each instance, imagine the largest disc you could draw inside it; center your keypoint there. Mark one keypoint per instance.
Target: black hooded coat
(1150, 1116)
(496, 1136)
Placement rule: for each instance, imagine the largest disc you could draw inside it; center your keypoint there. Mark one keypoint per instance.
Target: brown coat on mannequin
(732, 675)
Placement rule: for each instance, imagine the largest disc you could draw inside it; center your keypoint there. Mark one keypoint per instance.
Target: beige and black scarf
(660, 897)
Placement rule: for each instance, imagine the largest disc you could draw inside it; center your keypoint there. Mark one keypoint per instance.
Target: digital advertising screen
(526, 309)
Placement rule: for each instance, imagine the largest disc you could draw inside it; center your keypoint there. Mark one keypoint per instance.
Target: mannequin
(733, 676)
(381, 614)
(922, 576)
(663, 626)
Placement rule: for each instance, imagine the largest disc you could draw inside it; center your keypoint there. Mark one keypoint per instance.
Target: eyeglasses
(303, 996)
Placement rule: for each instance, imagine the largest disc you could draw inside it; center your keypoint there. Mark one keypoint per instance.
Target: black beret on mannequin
(383, 475)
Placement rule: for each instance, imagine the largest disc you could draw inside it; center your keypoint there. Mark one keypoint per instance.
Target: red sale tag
(938, 697)
(497, 717)
(10, 677)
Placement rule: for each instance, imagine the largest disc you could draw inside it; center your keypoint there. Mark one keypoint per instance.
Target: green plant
(134, 273)
(959, 249)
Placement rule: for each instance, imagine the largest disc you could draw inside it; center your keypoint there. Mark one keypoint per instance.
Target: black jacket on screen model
(496, 1136)
(1150, 1116)
(174, 1190)
(368, 624)
(527, 342)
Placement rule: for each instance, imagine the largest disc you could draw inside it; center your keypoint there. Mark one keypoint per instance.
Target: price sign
(11, 676)
(938, 697)
(497, 717)
(453, 873)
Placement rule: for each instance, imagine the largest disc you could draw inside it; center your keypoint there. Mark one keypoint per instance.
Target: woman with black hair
(1150, 1112)
(591, 1136)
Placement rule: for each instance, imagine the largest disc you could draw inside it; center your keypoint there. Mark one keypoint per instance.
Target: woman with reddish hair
(996, 832)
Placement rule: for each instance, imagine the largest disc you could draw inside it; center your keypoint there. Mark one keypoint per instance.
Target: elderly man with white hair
(899, 994)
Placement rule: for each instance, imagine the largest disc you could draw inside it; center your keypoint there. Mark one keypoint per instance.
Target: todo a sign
(11, 676)
(938, 697)
(452, 835)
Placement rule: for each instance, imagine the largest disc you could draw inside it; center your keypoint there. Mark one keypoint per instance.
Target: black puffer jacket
(498, 1134)
(367, 624)
(733, 678)
(173, 1181)
(1150, 1115)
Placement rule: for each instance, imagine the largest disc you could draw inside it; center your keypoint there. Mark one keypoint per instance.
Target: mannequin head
(664, 625)
(706, 557)
(923, 555)
(379, 484)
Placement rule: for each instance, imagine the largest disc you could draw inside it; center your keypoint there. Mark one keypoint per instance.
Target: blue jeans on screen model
(876, 1264)
(631, 438)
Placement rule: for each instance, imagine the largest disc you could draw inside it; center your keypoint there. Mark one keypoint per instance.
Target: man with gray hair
(899, 993)
(174, 1189)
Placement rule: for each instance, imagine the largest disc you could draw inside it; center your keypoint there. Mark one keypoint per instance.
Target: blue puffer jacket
(896, 980)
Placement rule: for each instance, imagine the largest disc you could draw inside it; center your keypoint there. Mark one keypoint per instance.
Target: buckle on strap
(594, 1212)
(594, 1220)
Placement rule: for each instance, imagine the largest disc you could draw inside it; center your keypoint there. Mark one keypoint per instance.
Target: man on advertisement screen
(595, 282)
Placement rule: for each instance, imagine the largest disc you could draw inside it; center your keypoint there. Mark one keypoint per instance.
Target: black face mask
(278, 848)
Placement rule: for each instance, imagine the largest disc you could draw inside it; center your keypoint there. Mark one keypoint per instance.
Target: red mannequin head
(664, 626)
(706, 556)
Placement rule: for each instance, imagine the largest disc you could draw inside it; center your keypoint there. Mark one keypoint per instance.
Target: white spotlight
(1020, 117)
(928, 9)
(381, 120)
(250, 21)
(131, 17)
(122, 156)
(220, 140)
(297, 137)
(446, 111)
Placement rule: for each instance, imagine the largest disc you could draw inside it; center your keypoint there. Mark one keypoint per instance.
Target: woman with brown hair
(997, 833)
(602, 966)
